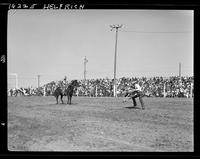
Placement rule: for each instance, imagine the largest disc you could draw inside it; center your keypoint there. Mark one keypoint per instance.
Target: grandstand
(103, 87)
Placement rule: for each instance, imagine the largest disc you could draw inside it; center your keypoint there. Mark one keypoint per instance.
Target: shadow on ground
(132, 107)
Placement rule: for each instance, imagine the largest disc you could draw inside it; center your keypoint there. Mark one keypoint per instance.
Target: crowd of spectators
(26, 91)
(156, 86)
(152, 87)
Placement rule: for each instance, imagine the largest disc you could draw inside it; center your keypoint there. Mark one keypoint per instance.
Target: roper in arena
(133, 92)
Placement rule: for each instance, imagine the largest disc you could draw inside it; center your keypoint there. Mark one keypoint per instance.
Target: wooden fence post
(164, 92)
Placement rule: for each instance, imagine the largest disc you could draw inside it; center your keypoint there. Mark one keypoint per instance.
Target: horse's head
(75, 83)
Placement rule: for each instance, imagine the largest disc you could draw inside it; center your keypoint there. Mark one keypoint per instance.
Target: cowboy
(134, 92)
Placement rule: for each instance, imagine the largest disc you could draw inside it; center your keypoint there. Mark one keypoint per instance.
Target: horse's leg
(57, 99)
(61, 96)
(70, 99)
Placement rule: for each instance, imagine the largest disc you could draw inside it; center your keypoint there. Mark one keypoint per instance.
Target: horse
(70, 90)
(66, 92)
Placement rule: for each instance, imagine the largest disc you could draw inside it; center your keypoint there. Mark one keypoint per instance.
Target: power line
(157, 32)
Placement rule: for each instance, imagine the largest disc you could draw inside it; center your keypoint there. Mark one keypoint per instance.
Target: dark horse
(67, 92)
(58, 92)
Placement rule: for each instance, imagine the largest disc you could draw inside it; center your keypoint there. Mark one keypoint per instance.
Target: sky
(53, 44)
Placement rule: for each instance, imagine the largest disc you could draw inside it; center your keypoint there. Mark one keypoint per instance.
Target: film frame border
(5, 7)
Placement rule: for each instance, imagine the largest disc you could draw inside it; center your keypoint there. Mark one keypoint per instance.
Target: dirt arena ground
(100, 124)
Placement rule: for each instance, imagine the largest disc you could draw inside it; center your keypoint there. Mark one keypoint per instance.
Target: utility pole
(115, 57)
(85, 61)
(180, 70)
(38, 80)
